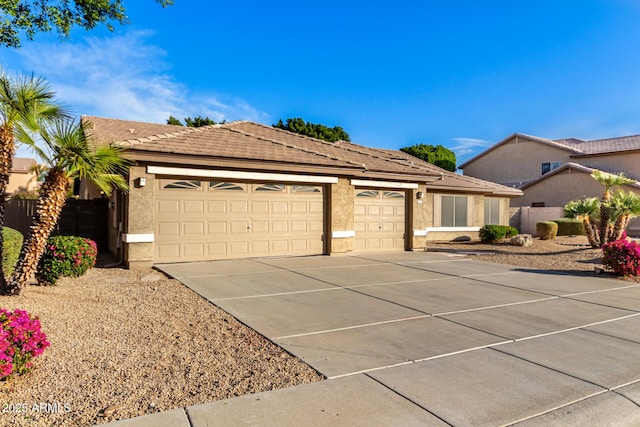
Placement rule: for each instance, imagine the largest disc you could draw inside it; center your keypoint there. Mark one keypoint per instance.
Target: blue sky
(464, 74)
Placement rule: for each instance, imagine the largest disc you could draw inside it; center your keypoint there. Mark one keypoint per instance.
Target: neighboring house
(553, 172)
(23, 175)
(243, 189)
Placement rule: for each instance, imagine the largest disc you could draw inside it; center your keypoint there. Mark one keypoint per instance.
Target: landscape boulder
(522, 240)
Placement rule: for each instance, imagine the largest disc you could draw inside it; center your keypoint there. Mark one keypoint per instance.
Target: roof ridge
(293, 146)
(610, 139)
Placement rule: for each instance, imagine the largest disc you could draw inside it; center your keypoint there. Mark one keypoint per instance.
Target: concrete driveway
(422, 338)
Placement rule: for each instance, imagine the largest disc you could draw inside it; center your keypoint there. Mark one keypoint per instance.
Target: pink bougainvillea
(622, 256)
(21, 340)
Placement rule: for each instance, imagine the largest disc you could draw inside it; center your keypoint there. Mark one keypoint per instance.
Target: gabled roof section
(570, 165)
(248, 141)
(609, 145)
(568, 145)
(22, 164)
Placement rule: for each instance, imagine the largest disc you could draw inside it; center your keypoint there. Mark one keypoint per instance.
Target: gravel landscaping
(126, 343)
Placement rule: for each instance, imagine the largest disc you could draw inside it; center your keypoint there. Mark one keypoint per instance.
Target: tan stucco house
(553, 172)
(243, 189)
(23, 176)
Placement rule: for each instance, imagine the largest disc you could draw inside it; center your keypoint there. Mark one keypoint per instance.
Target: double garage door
(207, 220)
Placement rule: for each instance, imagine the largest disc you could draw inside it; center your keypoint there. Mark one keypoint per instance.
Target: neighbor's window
(453, 211)
(491, 211)
(548, 167)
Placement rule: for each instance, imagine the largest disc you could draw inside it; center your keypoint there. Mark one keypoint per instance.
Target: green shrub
(68, 256)
(492, 233)
(569, 227)
(547, 230)
(11, 250)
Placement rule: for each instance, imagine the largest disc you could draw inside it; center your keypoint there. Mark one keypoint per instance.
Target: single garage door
(380, 217)
(209, 220)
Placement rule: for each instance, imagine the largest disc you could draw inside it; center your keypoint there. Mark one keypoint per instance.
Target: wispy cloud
(468, 147)
(125, 77)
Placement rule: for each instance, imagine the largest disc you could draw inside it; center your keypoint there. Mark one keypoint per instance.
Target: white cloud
(467, 147)
(124, 77)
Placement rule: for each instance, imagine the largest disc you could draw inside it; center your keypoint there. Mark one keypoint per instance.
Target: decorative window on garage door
(305, 189)
(231, 186)
(368, 193)
(183, 185)
(393, 195)
(270, 187)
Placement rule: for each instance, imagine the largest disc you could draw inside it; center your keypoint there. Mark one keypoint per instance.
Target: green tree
(69, 154)
(436, 155)
(19, 18)
(196, 122)
(318, 131)
(26, 102)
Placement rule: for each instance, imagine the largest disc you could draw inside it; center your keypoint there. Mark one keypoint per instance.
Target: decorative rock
(522, 240)
(151, 278)
(111, 410)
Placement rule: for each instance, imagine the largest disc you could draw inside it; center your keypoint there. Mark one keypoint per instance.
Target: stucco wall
(518, 160)
(140, 218)
(629, 163)
(559, 189)
(341, 216)
(22, 181)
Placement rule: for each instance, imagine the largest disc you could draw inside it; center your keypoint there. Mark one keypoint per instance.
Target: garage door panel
(193, 228)
(206, 220)
(193, 206)
(168, 207)
(280, 226)
(379, 220)
(167, 229)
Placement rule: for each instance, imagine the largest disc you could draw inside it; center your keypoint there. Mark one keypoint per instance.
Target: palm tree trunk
(52, 198)
(620, 226)
(591, 230)
(7, 147)
(605, 215)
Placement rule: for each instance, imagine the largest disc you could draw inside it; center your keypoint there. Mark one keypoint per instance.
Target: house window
(491, 211)
(548, 167)
(453, 211)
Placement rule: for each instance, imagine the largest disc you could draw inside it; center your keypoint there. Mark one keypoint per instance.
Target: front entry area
(379, 220)
(210, 220)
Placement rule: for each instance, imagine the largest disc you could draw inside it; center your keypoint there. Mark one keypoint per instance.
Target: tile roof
(22, 165)
(604, 146)
(244, 140)
(573, 166)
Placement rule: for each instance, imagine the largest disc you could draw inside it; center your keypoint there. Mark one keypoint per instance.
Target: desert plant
(624, 205)
(68, 153)
(492, 232)
(12, 244)
(586, 210)
(622, 256)
(546, 230)
(67, 256)
(21, 340)
(569, 227)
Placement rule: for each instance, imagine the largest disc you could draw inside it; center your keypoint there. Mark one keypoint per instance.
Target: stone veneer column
(341, 225)
(138, 250)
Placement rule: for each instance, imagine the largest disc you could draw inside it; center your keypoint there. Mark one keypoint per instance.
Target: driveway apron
(431, 339)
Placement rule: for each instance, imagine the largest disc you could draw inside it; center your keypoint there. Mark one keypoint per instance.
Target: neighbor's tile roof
(22, 165)
(252, 141)
(604, 146)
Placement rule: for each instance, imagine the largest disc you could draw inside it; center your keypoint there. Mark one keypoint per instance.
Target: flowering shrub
(622, 256)
(68, 256)
(20, 341)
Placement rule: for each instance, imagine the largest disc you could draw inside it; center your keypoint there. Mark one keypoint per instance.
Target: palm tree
(624, 206)
(26, 102)
(585, 209)
(69, 154)
(609, 180)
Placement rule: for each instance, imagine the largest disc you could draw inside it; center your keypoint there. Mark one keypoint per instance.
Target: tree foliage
(195, 122)
(435, 154)
(313, 130)
(26, 18)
